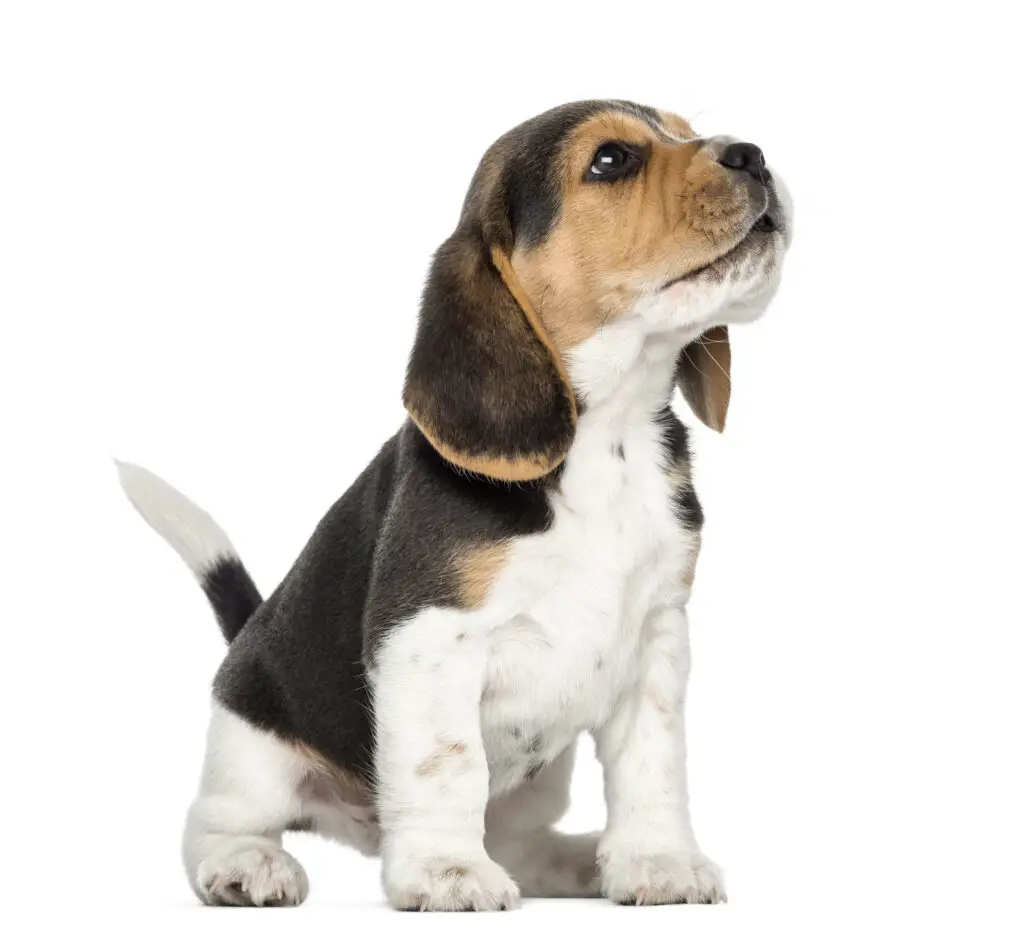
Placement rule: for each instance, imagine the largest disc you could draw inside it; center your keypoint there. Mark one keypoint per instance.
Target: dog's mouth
(764, 223)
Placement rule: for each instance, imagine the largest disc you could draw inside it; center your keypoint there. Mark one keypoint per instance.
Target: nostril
(748, 157)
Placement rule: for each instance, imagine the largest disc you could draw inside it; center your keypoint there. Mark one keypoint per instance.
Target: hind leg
(521, 836)
(249, 794)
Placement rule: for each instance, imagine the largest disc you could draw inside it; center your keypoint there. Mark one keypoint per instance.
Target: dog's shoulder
(445, 535)
(413, 531)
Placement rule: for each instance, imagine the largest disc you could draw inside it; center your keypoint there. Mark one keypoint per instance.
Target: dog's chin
(762, 242)
(752, 304)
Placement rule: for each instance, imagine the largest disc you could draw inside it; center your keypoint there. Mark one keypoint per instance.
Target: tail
(197, 539)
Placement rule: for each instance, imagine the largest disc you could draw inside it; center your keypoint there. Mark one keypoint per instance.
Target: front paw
(449, 884)
(655, 879)
(251, 876)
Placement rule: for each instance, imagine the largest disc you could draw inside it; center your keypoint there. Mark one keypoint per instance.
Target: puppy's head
(586, 214)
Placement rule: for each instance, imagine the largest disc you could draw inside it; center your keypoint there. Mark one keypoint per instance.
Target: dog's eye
(612, 162)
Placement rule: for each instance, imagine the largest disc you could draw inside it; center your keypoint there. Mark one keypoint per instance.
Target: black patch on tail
(232, 594)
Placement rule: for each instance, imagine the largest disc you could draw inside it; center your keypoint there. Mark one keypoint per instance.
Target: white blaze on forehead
(677, 138)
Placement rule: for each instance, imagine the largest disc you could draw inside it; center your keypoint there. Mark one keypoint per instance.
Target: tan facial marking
(612, 241)
(433, 763)
(477, 569)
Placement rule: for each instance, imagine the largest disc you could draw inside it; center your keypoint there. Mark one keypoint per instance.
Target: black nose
(746, 157)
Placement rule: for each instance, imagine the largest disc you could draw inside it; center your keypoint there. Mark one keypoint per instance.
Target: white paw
(659, 878)
(252, 876)
(449, 884)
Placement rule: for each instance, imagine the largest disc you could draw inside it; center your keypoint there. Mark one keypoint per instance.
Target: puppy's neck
(626, 369)
(624, 377)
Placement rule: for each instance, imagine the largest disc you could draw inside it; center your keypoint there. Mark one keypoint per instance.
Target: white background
(214, 224)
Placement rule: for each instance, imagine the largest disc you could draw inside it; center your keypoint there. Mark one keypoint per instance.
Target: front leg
(648, 854)
(433, 780)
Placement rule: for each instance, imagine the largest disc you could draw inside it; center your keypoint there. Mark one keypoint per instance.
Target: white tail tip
(191, 531)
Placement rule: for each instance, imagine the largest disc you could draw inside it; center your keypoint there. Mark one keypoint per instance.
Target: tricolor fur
(512, 569)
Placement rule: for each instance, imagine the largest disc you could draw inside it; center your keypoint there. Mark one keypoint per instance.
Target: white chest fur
(560, 637)
(568, 610)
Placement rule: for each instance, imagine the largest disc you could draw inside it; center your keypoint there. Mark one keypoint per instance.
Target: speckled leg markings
(648, 854)
(432, 771)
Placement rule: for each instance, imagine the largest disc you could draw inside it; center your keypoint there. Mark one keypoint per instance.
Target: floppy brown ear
(484, 383)
(703, 373)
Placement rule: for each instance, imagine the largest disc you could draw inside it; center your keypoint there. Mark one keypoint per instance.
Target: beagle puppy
(513, 567)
